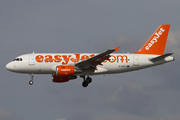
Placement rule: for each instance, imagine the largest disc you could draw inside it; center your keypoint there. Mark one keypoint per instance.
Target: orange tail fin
(157, 42)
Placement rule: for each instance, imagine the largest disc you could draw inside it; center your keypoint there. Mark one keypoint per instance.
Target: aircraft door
(31, 59)
(136, 60)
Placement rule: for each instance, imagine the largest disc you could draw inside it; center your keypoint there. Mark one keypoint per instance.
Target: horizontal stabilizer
(160, 57)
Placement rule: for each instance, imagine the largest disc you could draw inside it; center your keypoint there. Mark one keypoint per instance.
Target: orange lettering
(66, 59)
(57, 58)
(92, 55)
(39, 58)
(122, 56)
(113, 60)
(84, 57)
(48, 58)
(76, 59)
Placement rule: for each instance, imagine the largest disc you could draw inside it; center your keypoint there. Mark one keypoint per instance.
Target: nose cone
(9, 67)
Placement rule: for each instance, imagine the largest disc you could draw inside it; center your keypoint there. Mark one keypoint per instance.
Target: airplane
(67, 66)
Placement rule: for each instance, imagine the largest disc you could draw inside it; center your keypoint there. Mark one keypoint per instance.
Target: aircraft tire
(85, 84)
(31, 82)
(88, 80)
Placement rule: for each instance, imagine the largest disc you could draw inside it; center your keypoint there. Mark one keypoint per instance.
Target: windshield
(17, 59)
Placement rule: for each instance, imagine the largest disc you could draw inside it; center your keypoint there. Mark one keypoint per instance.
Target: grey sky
(88, 26)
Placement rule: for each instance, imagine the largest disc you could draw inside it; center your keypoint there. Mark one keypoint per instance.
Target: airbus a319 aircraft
(67, 66)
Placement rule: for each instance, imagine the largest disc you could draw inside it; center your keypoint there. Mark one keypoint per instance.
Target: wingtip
(116, 49)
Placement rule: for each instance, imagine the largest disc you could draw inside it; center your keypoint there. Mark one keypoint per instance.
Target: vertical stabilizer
(157, 42)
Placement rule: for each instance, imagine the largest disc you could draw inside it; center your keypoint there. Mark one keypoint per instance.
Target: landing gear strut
(86, 81)
(31, 81)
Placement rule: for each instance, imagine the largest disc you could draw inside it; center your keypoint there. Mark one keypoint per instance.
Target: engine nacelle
(66, 71)
(59, 79)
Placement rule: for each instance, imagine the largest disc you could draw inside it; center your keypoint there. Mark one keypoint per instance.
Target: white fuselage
(45, 63)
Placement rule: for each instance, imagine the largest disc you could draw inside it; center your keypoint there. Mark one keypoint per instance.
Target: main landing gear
(31, 81)
(86, 81)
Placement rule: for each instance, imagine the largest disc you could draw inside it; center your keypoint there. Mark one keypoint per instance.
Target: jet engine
(66, 71)
(61, 79)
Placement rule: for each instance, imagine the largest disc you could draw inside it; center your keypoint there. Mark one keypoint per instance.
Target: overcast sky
(76, 26)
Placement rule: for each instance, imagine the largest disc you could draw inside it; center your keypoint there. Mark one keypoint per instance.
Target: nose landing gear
(31, 81)
(86, 81)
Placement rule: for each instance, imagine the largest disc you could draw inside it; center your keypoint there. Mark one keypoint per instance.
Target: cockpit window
(18, 59)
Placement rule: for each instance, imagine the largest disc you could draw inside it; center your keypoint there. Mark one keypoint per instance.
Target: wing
(92, 62)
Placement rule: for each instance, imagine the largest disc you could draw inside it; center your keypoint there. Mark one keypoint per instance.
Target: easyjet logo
(65, 69)
(155, 38)
(65, 59)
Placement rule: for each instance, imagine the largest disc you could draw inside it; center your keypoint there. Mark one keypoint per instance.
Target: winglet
(116, 49)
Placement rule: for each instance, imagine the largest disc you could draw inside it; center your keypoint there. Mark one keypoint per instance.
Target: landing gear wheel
(85, 84)
(31, 82)
(88, 79)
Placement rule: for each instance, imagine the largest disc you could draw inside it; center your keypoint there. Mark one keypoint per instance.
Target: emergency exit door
(31, 59)
(136, 60)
